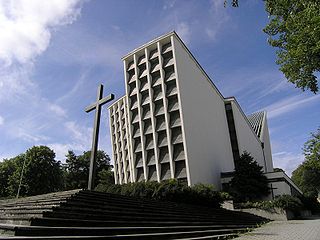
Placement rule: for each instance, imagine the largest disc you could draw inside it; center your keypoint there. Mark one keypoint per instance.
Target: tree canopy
(307, 175)
(77, 169)
(42, 173)
(294, 28)
(248, 182)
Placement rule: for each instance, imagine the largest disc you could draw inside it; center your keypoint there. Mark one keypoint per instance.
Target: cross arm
(100, 103)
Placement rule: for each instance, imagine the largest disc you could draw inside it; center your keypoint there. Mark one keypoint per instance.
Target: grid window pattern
(153, 118)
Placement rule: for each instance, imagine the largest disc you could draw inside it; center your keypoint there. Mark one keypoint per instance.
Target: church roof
(256, 121)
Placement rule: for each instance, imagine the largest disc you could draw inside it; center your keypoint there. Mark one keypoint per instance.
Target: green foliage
(248, 182)
(278, 170)
(288, 202)
(234, 3)
(7, 169)
(307, 175)
(42, 174)
(294, 29)
(311, 148)
(77, 169)
(169, 190)
(285, 202)
(311, 203)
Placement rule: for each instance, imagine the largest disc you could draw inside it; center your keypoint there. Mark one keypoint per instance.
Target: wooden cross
(96, 106)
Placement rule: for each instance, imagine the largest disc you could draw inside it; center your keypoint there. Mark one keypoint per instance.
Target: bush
(169, 190)
(288, 202)
(285, 202)
(311, 204)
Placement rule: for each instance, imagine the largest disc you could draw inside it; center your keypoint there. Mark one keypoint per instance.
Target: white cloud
(1, 120)
(59, 111)
(80, 140)
(25, 26)
(169, 4)
(289, 104)
(26, 29)
(288, 161)
(218, 17)
(61, 150)
(184, 31)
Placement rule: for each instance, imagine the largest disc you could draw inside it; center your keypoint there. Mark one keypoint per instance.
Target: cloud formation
(26, 30)
(289, 104)
(287, 161)
(26, 26)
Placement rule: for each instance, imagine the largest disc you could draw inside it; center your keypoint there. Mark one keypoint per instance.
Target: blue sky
(53, 55)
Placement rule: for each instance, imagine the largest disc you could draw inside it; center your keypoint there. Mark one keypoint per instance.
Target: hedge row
(169, 190)
(285, 202)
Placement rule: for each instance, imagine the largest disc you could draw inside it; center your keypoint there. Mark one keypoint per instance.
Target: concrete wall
(206, 132)
(281, 184)
(280, 188)
(265, 138)
(247, 139)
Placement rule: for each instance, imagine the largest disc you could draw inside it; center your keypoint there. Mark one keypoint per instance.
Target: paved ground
(286, 230)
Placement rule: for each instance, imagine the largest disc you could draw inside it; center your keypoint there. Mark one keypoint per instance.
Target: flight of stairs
(83, 214)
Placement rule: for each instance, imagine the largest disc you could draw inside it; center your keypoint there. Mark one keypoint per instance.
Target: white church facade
(173, 122)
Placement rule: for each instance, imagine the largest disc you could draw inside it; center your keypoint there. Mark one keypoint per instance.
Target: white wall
(267, 146)
(247, 139)
(281, 188)
(206, 131)
(282, 182)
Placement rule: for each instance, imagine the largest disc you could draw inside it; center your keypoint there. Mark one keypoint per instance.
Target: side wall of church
(206, 131)
(247, 139)
(267, 146)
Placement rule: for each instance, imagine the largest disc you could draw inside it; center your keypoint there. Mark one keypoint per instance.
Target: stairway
(83, 214)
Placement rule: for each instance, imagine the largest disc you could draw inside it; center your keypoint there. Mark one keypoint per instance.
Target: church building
(173, 122)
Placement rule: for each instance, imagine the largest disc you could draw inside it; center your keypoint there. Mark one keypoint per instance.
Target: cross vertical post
(96, 106)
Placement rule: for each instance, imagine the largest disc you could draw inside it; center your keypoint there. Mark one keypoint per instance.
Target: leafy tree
(7, 168)
(42, 173)
(248, 182)
(77, 168)
(278, 170)
(311, 148)
(307, 175)
(294, 28)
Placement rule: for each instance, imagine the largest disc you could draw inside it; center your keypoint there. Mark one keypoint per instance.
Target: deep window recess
(232, 132)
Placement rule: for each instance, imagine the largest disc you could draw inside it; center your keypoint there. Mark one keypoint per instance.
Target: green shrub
(285, 202)
(169, 190)
(226, 196)
(288, 202)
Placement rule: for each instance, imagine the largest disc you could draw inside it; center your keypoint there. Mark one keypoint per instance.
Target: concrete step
(40, 197)
(16, 220)
(112, 223)
(144, 203)
(125, 207)
(30, 207)
(35, 202)
(215, 237)
(130, 233)
(138, 218)
(111, 204)
(85, 231)
(138, 212)
(77, 215)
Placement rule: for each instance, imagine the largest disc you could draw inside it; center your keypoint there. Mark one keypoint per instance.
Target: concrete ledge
(276, 214)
